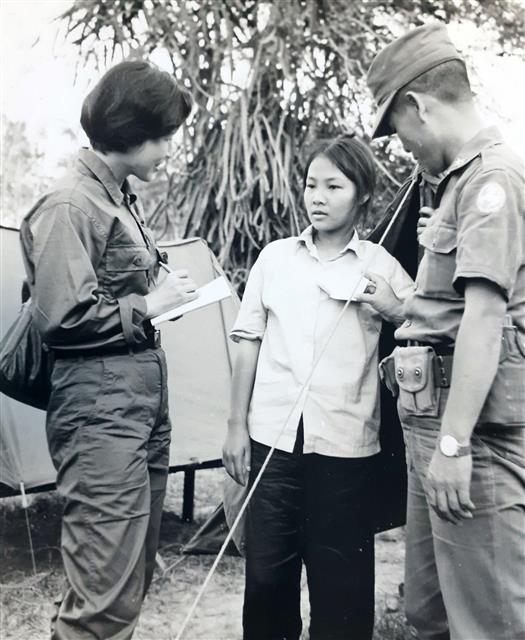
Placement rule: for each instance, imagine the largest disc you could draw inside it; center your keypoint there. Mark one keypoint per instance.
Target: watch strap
(463, 450)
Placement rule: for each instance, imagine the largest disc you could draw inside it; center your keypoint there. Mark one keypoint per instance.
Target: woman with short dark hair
(312, 504)
(132, 103)
(92, 269)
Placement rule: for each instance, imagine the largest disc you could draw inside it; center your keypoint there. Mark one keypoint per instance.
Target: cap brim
(381, 127)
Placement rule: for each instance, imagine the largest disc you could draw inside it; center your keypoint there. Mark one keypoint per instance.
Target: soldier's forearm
(476, 357)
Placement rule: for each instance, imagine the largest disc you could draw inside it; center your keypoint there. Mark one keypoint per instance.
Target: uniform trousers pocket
(505, 404)
(77, 389)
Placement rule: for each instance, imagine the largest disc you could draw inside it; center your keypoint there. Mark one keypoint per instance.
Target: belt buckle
(156, 338)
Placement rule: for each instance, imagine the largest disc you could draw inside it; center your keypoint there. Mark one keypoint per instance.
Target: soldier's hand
(177, 288)
(424, 216)
(448, 487)
(380, 295)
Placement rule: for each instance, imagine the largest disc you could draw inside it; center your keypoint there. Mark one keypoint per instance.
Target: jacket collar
(103, 174)
(486, 137)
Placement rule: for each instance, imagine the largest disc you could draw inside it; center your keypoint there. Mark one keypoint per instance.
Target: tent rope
(25, 507)
(302, 391)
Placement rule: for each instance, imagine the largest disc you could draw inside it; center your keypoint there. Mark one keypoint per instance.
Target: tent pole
(188, 495)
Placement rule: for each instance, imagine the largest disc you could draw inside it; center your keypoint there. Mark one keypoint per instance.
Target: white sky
(38, 87)
(38, 75)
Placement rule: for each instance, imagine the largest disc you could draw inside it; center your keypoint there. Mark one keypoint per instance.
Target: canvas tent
(199, 358)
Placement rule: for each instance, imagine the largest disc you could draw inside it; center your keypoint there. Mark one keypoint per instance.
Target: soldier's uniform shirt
(476, 231)
(453, 571)
(91, 269)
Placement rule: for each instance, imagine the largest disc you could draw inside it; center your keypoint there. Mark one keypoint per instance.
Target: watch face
(448, 446)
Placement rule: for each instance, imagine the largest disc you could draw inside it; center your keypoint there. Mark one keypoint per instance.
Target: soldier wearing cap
(460, 379)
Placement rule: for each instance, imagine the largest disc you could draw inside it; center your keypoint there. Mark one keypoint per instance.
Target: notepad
(214, 291)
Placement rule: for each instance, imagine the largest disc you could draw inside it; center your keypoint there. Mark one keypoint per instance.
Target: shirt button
(137, 260)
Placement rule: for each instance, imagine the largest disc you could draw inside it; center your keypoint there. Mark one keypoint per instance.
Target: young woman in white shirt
(312, 504)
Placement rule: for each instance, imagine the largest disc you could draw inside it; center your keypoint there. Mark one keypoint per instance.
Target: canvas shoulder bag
(25, 361)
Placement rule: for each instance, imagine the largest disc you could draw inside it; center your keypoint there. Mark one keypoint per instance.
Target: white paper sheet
(214, 291)
(341, 288)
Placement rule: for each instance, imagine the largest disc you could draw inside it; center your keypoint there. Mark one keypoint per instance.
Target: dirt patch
(27, 598)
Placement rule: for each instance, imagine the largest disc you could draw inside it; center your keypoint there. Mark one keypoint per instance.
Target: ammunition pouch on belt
(417, 375)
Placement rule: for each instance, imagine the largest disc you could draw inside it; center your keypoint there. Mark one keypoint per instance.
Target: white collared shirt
(287, 307)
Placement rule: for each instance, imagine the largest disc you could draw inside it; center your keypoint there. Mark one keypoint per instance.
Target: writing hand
(176, 289)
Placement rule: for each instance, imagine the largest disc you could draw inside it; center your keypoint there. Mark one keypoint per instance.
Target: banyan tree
(267, 77)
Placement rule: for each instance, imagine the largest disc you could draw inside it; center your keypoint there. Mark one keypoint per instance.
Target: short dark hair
(353, 158)
(133, 102)
(448, 82)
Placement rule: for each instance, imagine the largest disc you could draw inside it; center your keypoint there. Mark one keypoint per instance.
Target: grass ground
(27, 596)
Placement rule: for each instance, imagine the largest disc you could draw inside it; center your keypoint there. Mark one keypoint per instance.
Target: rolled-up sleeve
(489, 232)
(251, 320)
(133, 309)
(70, 306)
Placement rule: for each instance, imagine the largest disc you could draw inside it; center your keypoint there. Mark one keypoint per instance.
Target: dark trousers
(313, 509)
(108, 433)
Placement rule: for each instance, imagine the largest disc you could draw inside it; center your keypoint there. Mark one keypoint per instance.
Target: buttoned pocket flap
(412, 367)
(127, 258)
(439, 238)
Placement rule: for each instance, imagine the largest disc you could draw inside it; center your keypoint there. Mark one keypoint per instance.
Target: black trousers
(313, 509)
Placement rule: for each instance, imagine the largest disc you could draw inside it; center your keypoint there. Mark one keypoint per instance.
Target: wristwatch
(450, 447)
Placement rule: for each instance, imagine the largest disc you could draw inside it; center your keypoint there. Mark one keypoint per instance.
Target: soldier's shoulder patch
(491, 197)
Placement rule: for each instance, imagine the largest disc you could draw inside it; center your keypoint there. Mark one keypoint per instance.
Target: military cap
(404, 60)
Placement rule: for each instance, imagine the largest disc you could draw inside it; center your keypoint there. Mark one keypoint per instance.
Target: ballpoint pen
(165, 267)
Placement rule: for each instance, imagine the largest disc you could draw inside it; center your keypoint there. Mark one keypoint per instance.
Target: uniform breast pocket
(127, 269)
(127, 258)
(436, 271)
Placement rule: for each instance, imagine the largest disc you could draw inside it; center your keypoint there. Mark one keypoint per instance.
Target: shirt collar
(307, 239)
(486, 137)
(103, 173)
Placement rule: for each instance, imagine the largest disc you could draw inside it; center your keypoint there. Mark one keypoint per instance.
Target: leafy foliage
(268, 78)
(22, 176)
